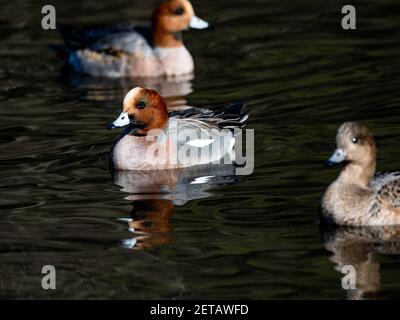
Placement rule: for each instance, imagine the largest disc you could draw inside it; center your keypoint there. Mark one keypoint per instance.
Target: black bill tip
(329, 164)
(210, 27)
(111, 126)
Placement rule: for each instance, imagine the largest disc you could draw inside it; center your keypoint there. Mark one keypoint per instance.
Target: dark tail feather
(231, 116)
(238, 122)
(234, 108)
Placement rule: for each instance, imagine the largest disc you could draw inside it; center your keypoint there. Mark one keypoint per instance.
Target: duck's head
(171, 18)
(355, 144)
(143, 110)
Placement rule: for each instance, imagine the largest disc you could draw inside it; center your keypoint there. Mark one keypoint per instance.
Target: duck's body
(219, 144)
(156, 140)
(358, 197)
(131, 51)
(377, 204)
(129, 54)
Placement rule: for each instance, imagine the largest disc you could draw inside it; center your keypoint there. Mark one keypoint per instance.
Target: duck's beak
(121, 121)
(197, 23)
(338, 156)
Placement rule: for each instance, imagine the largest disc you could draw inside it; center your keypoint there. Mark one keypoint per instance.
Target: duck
(155, 139)
(359, 196)
(130, 50)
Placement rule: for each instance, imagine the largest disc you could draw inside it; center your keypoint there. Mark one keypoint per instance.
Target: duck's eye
(355, 140)
(141, 105)
(179, 11)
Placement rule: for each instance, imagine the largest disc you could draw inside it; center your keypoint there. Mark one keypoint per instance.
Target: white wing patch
(200, 143)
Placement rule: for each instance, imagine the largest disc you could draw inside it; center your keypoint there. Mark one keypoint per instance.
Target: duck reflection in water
(360, 248)
(174, 90)
(155, 194)
(150, 221)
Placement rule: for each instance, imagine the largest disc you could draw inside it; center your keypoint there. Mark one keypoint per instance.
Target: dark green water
(252, 237)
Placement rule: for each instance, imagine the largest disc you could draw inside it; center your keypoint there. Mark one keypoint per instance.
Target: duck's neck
(159, 122)
(358, 174)
(165, 39)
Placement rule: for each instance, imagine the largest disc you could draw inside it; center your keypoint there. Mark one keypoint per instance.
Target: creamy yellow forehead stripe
(130, 95)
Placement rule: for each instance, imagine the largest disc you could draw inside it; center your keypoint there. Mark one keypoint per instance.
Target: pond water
(252, 237)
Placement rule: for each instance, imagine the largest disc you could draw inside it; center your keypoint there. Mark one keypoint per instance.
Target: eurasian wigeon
(358, 197)
(156, 140)
(129, 51)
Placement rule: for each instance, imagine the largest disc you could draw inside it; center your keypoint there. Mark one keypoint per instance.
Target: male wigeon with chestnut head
(156, 140)
(132, 51)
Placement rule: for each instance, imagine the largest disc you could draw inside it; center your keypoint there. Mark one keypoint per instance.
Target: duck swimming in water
(157, 140)
(132, 51)
(358, 197)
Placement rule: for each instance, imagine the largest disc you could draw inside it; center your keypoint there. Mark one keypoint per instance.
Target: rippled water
(252, 237)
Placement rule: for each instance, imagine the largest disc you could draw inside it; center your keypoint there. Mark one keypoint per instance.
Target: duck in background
(132, 51)
(358, 197)
(157, 140)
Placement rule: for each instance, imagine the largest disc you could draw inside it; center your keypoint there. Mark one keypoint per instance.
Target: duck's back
(131, 42)
(111, 51)
(387, 188)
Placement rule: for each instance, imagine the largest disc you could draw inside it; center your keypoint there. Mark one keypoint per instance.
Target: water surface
(253, 237)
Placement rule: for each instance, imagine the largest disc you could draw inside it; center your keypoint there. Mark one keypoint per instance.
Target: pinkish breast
(137, 153)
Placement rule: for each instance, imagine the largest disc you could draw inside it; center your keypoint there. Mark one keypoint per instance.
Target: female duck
(357, 197)
(156, 140)
(134, 51)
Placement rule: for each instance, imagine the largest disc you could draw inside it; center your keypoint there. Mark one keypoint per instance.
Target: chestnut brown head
(171, 18)
(144, 109)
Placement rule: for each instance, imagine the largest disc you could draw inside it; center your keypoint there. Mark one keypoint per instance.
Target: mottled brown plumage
(356, 197)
